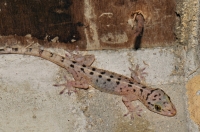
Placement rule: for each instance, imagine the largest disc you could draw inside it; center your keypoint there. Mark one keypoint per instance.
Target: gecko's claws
(132, 116)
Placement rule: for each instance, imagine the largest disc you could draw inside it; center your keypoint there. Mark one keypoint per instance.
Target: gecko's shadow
(138, 40)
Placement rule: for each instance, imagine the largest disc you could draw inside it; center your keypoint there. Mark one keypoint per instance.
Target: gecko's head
(159, 102)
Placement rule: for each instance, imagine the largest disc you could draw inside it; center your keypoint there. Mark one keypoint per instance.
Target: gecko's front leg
(131, 109)
(138, 74)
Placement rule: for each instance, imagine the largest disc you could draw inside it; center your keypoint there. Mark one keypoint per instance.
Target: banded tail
(55, 58)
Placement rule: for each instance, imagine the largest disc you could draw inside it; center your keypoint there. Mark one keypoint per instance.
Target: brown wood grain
(68, 21)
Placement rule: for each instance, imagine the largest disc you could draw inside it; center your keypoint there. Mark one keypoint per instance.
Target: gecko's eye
(158, 108)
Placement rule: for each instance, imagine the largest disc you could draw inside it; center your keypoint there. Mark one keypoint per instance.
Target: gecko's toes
(61, 92)
(70, 90)
(67, 86)
(131, 115)
(127, 113)
(134, 112)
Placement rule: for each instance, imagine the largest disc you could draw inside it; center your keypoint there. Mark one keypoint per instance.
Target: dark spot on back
(62, 59)
(117, 82)
(134, 90)
(129, 85)
(82, 69)
(74, 62)
(84, 65)
(108, 79)
(40, 51)
(155, 95)
(103, 72)
(72, 65)
(2, 50)
(111, 76)
(91, 73)
(149, 102)
(100, 76)
(141, 90)
(93, 69)
(131, 82)
(144, 87)
(121, 89)
(119, 79)
(51, 54)
(148, 96)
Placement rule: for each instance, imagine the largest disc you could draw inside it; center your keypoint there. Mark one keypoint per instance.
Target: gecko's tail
(55, 58)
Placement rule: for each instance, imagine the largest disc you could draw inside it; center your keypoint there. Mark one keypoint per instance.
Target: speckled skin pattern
(84, 74)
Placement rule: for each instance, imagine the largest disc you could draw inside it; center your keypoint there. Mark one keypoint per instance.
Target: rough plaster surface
(30, 102)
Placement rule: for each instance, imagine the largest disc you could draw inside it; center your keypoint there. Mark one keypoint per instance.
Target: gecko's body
(84, 75)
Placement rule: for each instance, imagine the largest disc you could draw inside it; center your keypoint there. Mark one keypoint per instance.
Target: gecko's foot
(138, 74)
(68, 87)
(134, 112)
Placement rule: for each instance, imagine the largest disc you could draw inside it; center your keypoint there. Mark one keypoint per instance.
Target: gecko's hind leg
(138, 74)
(131, 109)
(71, 86)
(81, 81)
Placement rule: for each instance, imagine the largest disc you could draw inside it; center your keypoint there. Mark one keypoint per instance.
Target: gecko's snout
(172, 112)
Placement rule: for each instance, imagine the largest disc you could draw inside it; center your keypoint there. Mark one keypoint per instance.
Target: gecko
(85, 75)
